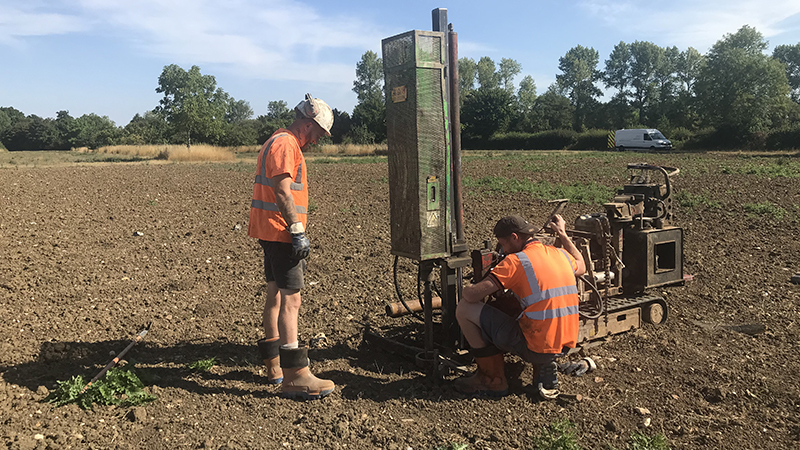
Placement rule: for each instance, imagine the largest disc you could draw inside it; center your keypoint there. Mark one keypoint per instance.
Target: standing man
(543, 279)
(278, 217)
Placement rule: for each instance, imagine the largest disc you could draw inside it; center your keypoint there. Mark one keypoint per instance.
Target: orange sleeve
(505, 272)
(281, 158)
(572, 261)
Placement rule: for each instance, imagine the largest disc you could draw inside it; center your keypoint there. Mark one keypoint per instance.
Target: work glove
(301, 245)
(577, 368)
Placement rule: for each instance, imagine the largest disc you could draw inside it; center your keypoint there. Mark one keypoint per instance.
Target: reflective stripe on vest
(267, 206)
(264, 180)
(552, 313)
(536, 293)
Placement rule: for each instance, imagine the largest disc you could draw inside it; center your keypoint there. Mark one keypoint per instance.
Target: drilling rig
(630, 247)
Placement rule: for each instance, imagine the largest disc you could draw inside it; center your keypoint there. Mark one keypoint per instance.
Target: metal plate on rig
(618, 322)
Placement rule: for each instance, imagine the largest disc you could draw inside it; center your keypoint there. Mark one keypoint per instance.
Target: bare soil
(92, 252)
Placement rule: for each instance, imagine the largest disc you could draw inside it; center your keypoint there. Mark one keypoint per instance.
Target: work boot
(490, 378)
(298, 381)
(546, 380)
(268, 349)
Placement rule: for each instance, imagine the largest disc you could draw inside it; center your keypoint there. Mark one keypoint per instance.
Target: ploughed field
(92, 252)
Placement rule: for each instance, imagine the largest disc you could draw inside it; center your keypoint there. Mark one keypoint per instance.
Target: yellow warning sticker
(399, 94)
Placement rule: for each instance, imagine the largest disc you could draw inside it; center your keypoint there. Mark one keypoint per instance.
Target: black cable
(400, 296)
(600, 301)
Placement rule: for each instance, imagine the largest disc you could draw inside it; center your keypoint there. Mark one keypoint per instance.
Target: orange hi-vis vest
(543, 277)
(280, 155)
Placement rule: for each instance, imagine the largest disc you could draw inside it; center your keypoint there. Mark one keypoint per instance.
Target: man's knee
(290, 298)
(470, 312)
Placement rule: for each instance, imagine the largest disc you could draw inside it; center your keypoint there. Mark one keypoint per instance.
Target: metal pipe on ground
(397, 309)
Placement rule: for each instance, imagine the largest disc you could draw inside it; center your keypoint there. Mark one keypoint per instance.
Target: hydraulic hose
(400, 295)
(602, 304)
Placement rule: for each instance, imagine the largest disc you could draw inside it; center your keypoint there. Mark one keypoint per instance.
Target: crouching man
(543, 278)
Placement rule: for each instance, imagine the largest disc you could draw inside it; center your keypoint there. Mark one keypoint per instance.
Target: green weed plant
(641, 441)
(559, 435)
(687, 199)
(765, 209)
(453, 446)
(120, 386)
(203, 365)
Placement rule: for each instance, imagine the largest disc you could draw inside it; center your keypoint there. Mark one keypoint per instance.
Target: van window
(647, 137)
(658, 135)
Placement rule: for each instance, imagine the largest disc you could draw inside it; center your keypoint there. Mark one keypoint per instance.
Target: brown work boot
(268, 349)
(490, 378)
(298, 381)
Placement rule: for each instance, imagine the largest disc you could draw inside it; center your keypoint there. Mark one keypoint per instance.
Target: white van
(646, 138)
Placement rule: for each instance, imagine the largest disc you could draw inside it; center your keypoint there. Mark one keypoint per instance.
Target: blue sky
(105, 56)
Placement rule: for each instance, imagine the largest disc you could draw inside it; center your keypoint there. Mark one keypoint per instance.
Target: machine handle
(665, 170)
(561, 205)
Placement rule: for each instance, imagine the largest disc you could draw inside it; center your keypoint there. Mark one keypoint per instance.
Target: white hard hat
(315, 108)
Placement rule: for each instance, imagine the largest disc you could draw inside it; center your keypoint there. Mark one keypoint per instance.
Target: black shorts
(279, 267)
(505, 333)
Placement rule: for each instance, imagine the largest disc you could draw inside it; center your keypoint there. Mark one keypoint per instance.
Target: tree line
(734, 94)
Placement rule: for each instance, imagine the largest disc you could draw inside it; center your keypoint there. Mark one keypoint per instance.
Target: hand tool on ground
(118, 358)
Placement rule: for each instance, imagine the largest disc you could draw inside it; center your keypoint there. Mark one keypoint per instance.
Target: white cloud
(279, 40)
(691, 23)
(26, 20)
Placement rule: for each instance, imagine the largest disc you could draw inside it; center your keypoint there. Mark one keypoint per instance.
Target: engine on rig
(629, 248)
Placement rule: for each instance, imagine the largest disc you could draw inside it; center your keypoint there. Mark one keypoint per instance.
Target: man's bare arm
(283, 196)
(477, 292)
(559, 226)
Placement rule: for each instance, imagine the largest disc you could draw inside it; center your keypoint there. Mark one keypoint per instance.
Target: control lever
(561, 205)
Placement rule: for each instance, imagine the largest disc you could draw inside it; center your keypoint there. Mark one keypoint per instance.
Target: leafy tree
(526, 102)
(369, 77)
(552, 111)
(579, 67)
(372, 115)
(789, 55)
(94, 131)
(684, 113)
(467, 72)
(361, 135)
(149, 129)
(14, 115)
(617, 73)
(238, 111)
(690, 63)
(193, 106)
(342, 123)
(368, 86)
(488, 78)
(65, 124)
(30, 133)
(486, 111)
(244, 132)
(741, 88)
(5, 123)
(509, 69)
(278, 116)
(647, 63)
